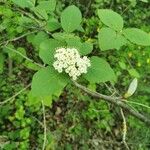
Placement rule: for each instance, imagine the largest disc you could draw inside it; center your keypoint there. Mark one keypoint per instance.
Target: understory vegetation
(106, 106)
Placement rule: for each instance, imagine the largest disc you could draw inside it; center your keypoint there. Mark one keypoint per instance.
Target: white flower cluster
(69, 60)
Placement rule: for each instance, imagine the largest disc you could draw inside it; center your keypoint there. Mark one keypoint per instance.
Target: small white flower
(69, 60)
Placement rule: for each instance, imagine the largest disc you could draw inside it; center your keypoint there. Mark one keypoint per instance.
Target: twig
(17, 38)
(126, 9)
(12, 98)
(111, 4)
(115, 90)
(44, 123)
(17, 52)
(136, 103)
(129, 62)
(40, 123)
(124, 129)
(28, 14)
(109, 89)
(113, 142)
(87, 8)
(31, 16)
(118, 101)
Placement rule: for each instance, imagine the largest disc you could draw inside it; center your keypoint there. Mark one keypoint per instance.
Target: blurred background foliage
(75, 120)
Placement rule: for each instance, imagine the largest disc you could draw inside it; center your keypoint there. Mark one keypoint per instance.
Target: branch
(17, 52)
(28, 14)
(44, 122)
(17, 38)
(18, 93)
(118, 101)
(124, 129)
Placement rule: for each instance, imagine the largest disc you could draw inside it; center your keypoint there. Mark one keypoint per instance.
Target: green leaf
(18, 58)
(23, 20)
(52, 25)
(47, 101)
(111, 19)
(20, 113)
(31, 65)
(73, 42)
(47, 82)
(109, 39)
(133, 3)
(100, 71)
(92, 86)
(83, 48)
(47, 50)
(134, 73)
(65, 36)
(44, 8)
(86, 48)
(10, 53)
(71, 18)
(37, 39)
(41, 13)
(32, 100)
(25, 133)
(41, 36)
(80, 28)
(24, 3)
(48, 6)
(122, 65)
(137, 36)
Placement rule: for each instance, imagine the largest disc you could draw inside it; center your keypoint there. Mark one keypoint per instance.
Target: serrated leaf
(10, 53)
(48, 6)
(83, 48)
(86, 48)
(52, 25)
(32, 100)
(41, 13)
(137, 36)
(109, 39)
(62, 36)
(37, 39)
(44, 8)
(47, 101)
(122, 65)
(92, 86)
(133, 2)
(132, 88)
(73, 42)
(23, 20)
(23, 52)
(47, 50)
(111, 19)
(100, 71)
(47, 82)
(19, 114)
(24, 3)
(31, 65)
(80, 28)
(71, 18)
(10, 50)
(133, 72)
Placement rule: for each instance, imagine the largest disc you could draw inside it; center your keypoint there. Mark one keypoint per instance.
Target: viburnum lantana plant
(64, 53)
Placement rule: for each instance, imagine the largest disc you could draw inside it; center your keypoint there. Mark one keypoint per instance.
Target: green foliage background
(74, 120)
